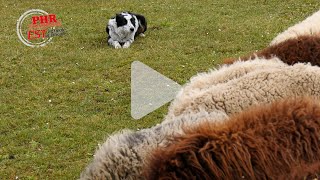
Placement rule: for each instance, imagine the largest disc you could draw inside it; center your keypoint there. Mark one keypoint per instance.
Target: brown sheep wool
(263, 142)
(301, 49)
(303, 171)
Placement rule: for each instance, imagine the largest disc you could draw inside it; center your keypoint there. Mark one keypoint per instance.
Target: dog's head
(126, 23)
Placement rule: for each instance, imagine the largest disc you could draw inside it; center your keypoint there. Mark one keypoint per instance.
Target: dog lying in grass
(264, 142)
(124, 27)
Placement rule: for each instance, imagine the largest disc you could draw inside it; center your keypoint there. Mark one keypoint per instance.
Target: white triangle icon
(149, 90)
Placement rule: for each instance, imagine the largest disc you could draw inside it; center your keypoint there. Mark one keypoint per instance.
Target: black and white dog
(124, 27)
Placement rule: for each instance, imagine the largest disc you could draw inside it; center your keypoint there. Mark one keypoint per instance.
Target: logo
(36, 28)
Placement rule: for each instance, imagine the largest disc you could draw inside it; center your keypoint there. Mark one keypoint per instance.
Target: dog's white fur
(122, 34)
(309, 26)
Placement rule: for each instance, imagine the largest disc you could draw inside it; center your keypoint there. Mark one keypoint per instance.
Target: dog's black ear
(142, 22)
(118, 17)
(120, 20)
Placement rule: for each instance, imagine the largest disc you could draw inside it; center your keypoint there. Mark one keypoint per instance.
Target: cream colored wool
(209, 96)
(226, 73)
(260, 85)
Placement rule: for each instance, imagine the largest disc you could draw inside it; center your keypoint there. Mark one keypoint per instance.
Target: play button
(149, 90)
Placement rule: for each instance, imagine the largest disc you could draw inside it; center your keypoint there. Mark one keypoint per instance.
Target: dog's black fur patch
(133, 21)
(121, 21)
(142, 24)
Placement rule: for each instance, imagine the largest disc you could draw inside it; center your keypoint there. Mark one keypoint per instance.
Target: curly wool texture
(222, 75)
(260, 86)
(226, 73)
(305, 171)
(123, 155)
(264, 142)
(290, 51)
(309, 26)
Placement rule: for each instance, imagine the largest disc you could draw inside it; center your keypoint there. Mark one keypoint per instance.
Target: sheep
(263, 142)
(304, 48)
(309, 26)
(123, 154)
(262, 85)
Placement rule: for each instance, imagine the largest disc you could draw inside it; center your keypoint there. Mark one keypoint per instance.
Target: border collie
(124, 27)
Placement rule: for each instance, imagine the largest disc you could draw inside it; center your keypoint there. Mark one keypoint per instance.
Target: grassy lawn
(59, 101)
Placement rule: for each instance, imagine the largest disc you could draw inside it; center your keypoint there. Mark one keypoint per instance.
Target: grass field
(59, 101)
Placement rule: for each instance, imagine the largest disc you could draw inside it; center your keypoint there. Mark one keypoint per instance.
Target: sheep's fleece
(245, 86)
(123, 155)
(230, 89)
(309, 26)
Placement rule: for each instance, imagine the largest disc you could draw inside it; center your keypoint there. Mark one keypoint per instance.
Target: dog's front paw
(126, 45)
(117, 46)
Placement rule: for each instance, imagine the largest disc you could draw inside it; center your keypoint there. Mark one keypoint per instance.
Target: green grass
(88, 83)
